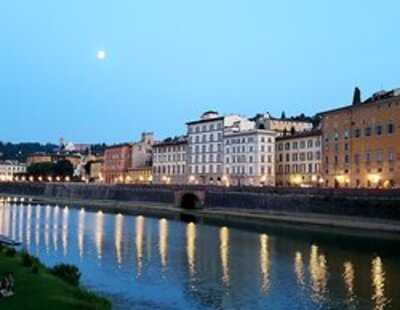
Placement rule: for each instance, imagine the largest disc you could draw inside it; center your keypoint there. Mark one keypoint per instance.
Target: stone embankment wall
(348, 202)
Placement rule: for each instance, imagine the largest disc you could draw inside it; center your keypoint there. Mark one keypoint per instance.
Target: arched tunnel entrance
(190, 201)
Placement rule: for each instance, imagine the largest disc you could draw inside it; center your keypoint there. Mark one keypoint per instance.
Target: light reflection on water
(152, 263)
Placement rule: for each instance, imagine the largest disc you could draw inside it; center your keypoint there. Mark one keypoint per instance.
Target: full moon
(101, 55)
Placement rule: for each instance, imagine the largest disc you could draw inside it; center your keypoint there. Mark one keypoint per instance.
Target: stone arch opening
(190, 201)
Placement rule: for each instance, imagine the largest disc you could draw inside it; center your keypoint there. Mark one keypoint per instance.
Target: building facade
(129, 162)
(96, 171)
(249, 157)
(10, 169)
(117, 162)
(205, 147)
(361, 143)
(298, 159)
(282, 126)
(140, 171)
(169, 161)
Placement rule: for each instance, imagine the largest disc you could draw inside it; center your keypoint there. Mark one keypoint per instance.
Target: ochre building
(361, 143)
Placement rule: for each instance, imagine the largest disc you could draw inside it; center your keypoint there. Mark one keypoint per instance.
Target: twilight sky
(168, 61)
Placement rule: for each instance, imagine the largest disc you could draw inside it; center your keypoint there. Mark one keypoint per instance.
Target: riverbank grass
(36, 288)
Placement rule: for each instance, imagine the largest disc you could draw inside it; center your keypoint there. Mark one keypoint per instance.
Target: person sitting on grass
(7, 285)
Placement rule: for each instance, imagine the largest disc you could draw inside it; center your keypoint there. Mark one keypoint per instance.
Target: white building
(169, 161)
(298, 159)
(249, 157)
(9, 169)
(205, 147)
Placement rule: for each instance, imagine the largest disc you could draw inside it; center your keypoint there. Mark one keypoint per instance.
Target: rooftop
(303, 134)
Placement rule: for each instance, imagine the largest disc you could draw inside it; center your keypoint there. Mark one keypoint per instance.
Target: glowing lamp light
(374, 178)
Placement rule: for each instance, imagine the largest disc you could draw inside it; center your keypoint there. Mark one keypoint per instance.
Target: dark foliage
(68, 273)
(20, 151)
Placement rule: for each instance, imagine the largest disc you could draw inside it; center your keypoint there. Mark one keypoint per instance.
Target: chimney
(356, 96)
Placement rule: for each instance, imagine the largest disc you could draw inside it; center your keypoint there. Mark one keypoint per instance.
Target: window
(357, 132)
(295, 145)
(310, 143)
(368, 131)
(379, 156)
(390, 128)
(357, 159)
(287, 146)
(378, 130)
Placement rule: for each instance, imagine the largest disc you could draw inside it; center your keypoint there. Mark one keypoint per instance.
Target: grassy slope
(44, 291)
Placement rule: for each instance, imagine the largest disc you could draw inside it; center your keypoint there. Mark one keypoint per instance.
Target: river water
(148, 263)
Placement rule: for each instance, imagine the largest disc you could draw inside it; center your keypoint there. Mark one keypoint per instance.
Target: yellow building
(142, 175)
(361, 143)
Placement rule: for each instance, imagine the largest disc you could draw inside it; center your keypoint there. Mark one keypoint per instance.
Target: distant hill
(20, 151)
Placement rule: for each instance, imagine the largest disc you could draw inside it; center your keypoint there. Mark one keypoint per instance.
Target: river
(153, 263)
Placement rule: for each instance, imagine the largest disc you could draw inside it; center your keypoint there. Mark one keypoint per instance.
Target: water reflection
(139, 229)
(56, 212)
(28, 224)
(37, 225)
(118, 237)
(378, 284)
(163, 241)
(47, 229)
(219, 267)
(224, 253)
(65, 230)
(99, 234)
(299, 269)
(264, 263)
(191, 248)
(318, 274)
(81, 232)
(348, 276)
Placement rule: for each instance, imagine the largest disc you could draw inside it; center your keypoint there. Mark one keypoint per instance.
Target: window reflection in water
(264, 263)
(378, 284)
(118, 237)
(224, 253)
(191, 247)
(318, 274)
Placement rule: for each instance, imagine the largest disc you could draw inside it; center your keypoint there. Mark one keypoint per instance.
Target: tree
(63, 168)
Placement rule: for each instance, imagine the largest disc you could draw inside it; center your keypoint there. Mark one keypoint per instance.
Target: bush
(11, 252)
(35, 269)
(68, 273)
(27, 259)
